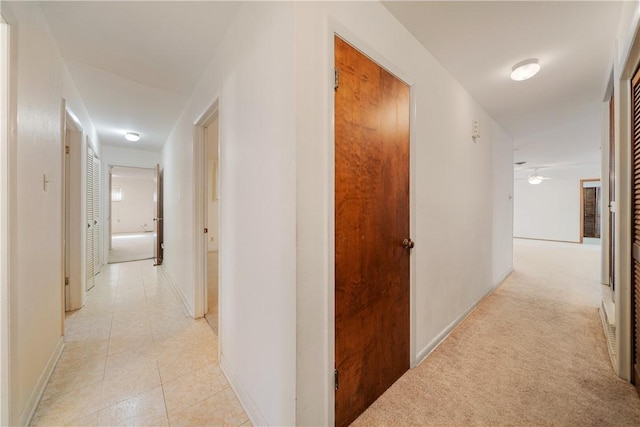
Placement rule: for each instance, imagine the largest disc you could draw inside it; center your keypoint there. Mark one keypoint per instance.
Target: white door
(90, 219)
(97, 217)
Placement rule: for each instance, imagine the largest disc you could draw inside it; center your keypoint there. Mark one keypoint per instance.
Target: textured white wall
(135, 213)
(551, 210)
(460, 190)
(36, 293)
(253, 75)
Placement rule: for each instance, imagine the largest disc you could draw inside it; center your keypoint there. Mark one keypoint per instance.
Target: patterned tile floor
(134, 357)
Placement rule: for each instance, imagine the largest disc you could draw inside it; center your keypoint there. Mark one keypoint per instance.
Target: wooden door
(371, 221)
(157, 232)
(635, 206)
(612, 196)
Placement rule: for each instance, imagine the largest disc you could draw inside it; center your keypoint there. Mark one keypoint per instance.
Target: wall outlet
(475, 129)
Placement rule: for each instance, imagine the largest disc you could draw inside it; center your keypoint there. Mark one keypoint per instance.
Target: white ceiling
(479, 42)
(124, 172)
(136, 63)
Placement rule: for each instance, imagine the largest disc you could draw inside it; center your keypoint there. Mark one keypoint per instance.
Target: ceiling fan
(535, 178)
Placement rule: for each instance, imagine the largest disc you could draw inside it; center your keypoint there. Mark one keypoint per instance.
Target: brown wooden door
(158, 229)
(635, 206)
(371, 221)
(612, 196)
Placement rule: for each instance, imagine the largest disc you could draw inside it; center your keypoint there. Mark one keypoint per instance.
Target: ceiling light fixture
(132, 136)
(535, 179)
(525, 70)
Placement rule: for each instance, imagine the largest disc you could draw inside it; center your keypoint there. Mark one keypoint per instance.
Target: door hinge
(336, 78)
(206, 230)
(66, 281)
(66, 149)
(335, 379)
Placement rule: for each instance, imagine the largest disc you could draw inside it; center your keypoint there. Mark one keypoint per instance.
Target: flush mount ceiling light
(132, 136)
(525, 70)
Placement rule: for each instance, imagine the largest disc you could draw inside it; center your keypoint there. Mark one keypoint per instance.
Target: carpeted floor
(533, 353)
(131, 247)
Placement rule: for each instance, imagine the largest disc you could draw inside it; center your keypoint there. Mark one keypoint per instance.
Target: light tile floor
(134, 357)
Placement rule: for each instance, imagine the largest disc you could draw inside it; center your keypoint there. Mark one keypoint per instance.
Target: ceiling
(136, 63)
(479, 42)
(125, 172)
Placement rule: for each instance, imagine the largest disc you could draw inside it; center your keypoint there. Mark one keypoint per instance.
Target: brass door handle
(408, 244)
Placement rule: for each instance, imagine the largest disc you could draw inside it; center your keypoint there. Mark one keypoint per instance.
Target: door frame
(108, 198)
(8, 120)
(200, 211)
(337, 29)
(582, 181)
(76, 292)
(623, 297)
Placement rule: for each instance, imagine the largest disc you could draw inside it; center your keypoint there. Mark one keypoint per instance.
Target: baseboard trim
(548, 240)
(426, 351)
(38, 391)
(177, 290)
(503, 277)
(250, 408)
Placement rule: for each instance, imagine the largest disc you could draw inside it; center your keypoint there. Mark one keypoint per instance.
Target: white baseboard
(503, 277)
(177, 290)
(447, 331)
(250, 408)
(38, 391)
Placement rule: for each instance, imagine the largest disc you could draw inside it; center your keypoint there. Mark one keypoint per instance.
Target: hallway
(533, 353)
(134, 357)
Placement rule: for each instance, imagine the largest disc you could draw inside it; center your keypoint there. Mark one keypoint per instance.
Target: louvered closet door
(635, 132)
(97, 217)
(90, 216)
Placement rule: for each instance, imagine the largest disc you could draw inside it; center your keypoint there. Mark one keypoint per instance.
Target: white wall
(253, 75)
(135, 212)
(36, 215)
(460, 190)
(551, 210)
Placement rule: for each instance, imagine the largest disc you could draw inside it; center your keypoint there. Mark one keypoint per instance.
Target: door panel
(157, 232)
(90, 217)
(635, 233)
(371, 220)
(97, 218)
(612, 196)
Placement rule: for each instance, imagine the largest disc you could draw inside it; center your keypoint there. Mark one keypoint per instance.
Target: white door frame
(7, 141)
(337, 29)
(200, 211)
(76, 294)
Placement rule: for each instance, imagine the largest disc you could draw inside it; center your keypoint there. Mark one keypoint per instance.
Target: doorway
(590, 211)
(372, 243)
(132, 213)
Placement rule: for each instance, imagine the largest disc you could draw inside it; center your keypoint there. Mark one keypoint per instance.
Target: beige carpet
(533, 353)
(127, 247)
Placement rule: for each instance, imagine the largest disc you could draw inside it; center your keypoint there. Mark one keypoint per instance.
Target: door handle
(408, 244)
